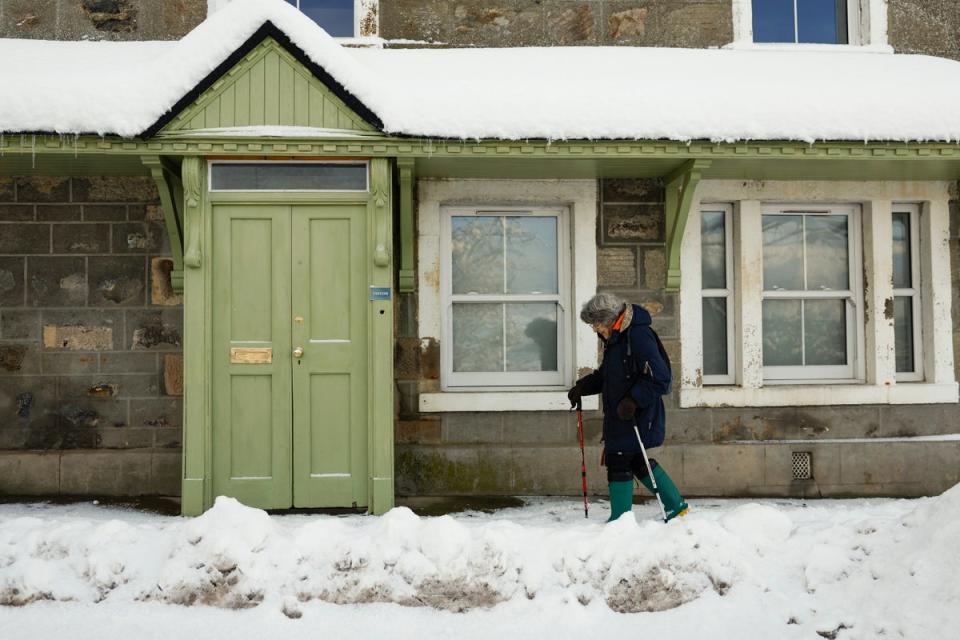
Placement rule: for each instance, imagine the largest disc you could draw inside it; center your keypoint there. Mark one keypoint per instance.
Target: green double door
(289, 371)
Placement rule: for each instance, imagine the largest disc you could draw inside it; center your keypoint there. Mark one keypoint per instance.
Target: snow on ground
(731, 569)
(519, 93)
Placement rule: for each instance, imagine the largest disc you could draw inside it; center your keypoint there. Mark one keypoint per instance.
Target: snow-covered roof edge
(267, 30)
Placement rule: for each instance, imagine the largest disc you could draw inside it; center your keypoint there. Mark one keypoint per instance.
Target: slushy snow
(731, 569)
(552, 93)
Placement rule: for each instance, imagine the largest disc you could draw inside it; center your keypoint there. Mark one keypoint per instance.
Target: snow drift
(858, 568)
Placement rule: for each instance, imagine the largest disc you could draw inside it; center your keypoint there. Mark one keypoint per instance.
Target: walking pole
(583, 461)
(653, 481)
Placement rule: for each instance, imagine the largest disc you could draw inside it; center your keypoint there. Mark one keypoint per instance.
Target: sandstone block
(161, 286)
(77, 338)
(173, 374)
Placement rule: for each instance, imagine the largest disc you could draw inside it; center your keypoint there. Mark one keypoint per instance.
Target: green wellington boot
(621, 498)
(673, 502)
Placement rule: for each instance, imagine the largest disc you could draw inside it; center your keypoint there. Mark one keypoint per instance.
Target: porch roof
(559, 93)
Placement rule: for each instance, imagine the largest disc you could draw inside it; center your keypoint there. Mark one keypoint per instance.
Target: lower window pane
(782, 328)
(715, 336)
(822, 21)
(335, 16)
(773, 21)
(825, 332)
(531, 337)
(903, 333)
(478, 337)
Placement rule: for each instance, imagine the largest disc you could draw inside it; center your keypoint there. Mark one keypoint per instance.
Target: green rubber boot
(673, 502)
(621, 498)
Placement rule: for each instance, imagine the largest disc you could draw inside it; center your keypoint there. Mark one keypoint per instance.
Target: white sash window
(504, 274)
(812, 305)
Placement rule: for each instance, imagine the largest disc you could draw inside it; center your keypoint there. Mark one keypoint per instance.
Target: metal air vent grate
(802, 465)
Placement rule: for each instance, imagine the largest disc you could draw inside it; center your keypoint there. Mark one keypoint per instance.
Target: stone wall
(100, 19)
(518, 23)
(710, 451)
(90, 330)
(930, 27)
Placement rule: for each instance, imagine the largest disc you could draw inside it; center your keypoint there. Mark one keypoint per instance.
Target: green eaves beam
(166, 174)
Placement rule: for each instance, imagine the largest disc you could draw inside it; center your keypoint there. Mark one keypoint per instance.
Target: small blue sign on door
(379, 293)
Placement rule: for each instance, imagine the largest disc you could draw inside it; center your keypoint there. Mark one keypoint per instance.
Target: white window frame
(880, 385)
(853, 370)
(728, 293)
(914, 292)
(510, 380)
(866, 27)
(360, 8)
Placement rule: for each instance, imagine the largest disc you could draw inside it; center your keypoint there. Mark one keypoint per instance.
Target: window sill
(803, 47)
(501, 401)
(813, 395)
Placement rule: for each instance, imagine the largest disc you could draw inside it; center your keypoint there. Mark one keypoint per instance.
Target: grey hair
(602, 308)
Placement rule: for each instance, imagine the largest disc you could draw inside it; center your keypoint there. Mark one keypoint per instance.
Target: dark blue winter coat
(645, 376)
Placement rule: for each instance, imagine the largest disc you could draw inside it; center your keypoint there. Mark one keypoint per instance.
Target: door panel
(252, 422)
(330, 379)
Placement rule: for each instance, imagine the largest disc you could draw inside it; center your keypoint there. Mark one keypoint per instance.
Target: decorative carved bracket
(192, 180)
(407, 176)
(380, 212)
(680, 186)
(167, 176)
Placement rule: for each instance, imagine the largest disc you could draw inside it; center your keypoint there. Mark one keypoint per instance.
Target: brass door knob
(298, 352)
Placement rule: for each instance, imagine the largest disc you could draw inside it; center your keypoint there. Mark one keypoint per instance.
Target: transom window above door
(505, 296)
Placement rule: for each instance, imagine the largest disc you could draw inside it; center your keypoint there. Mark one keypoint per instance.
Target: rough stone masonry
(90, 333)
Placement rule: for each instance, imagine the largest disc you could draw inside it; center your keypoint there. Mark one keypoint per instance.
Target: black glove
(575, 396)
(626, 408)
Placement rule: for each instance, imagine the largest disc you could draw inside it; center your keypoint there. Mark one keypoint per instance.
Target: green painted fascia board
(406, 176)
(376, 145)
(197, 458)
(267, 87)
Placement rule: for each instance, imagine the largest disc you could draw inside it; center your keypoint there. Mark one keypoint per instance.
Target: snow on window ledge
(501, 401)
(820, 395)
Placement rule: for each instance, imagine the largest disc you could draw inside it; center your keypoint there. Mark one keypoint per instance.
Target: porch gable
(267, 85)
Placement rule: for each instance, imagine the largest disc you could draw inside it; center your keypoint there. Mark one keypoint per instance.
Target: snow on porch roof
(552, 93)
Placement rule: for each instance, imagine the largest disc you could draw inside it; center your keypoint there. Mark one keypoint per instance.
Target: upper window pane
(477, 252)
(280, 176)
(902, 260)
(335, 16)
(531, 254)
(782, 252)
(807, 21)
(713, 251)
(827, 256)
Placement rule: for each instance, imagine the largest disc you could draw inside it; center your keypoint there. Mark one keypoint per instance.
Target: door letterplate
(251, 355)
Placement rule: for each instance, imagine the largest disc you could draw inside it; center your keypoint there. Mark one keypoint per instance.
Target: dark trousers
(626, 466)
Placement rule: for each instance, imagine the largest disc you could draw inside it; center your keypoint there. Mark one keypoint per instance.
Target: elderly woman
(632, 379)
